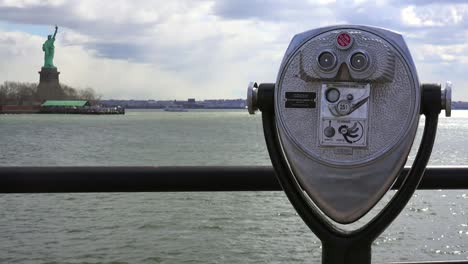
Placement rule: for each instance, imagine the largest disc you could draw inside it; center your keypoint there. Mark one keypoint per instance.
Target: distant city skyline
(210, 49)
(188, 103)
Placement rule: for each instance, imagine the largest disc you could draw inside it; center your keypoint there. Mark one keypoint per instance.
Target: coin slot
(332, 95)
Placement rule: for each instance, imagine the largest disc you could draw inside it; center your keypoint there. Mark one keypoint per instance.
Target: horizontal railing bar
(176, 179)
(434, 262)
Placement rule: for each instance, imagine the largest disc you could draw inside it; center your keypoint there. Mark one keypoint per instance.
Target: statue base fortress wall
(49, 86)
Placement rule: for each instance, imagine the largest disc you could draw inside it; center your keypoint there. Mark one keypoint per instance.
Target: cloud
(123, 51)
(437, 15)
(29, 3)
(269, 9)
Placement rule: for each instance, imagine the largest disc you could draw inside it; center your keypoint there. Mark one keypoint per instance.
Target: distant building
(459, 105)
(65, 103)
(63, 106)
(192, 104)
(78, 107)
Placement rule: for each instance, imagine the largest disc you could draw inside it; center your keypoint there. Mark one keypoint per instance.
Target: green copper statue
(48, 48)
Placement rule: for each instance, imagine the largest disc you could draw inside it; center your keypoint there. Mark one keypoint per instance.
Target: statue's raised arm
(55, 33)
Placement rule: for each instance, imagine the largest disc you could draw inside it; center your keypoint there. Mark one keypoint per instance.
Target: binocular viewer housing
(346, 103)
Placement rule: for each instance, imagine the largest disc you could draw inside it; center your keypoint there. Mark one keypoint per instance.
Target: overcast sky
(210, 49)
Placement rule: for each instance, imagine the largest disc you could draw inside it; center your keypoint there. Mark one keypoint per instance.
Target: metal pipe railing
(184, 179)
(177, 179)
(433, 262)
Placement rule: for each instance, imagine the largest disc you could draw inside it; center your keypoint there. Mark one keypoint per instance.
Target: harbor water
(222, 227)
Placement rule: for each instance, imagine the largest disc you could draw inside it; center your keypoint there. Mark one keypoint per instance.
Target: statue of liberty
(49, 86)
(48, 48)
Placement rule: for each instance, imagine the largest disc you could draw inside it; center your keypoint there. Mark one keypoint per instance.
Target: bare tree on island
(22, 93)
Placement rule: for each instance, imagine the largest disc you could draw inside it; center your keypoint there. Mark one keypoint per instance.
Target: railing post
(341, 251)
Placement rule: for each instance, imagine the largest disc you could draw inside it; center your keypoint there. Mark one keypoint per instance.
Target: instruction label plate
(344, 111)
(300, 100)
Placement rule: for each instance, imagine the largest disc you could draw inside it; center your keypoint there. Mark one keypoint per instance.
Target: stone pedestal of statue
(49, 86)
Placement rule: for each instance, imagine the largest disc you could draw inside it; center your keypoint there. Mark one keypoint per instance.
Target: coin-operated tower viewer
(339, 124)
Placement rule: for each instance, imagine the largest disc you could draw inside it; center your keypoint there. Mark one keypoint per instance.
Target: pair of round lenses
(327, 61)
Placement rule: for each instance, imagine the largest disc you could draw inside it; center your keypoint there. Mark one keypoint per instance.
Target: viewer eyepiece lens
(359, 61)
(327, 60)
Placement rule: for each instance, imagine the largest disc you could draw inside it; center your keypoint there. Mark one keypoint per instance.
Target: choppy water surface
(226, 227)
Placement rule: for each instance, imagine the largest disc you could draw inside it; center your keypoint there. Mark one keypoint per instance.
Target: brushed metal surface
(345, 182)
